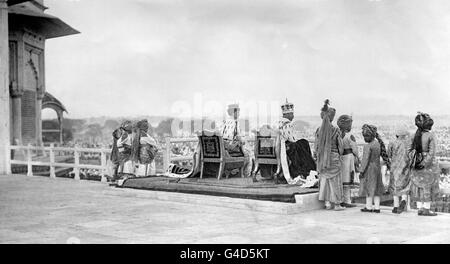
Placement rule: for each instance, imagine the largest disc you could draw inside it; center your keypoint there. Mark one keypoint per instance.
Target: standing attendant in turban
(425, 170)
(126, 166)
(400, 173)
(350, 157)
(371, 184)
(144, 150)
(114, 157)
(328, 151)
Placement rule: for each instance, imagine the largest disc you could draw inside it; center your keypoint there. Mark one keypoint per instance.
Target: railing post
(29, 160)
(76, 169)
(44, 153)
(103, 162)
(52, 161)
(167, 152)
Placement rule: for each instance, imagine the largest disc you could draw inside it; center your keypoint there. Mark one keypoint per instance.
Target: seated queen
(295, 154)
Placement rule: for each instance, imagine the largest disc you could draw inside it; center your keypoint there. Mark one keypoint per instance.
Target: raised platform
(237, 193)
(243, 188)
(304, 202)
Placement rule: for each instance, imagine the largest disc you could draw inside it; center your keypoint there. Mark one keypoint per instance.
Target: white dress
(348, 160)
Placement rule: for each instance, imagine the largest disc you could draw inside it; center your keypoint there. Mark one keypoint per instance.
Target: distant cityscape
(97, 131)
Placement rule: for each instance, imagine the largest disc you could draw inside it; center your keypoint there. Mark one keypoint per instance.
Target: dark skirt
(302, 162)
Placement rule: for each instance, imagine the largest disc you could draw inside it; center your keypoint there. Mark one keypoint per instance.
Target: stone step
(304, 202)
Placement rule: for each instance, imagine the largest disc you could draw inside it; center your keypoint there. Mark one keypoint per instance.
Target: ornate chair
(267, 155)
(212, 150)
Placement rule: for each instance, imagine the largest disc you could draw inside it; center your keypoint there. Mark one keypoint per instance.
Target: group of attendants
(133, 151)
(410, 161)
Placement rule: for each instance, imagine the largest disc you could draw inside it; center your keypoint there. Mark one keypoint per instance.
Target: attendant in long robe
(296, 157)
(350, 158)
(425, 170)
(328, 152)
(126, 165)
(371, 182)
(233, 141)
(399, 172)
(144, 150)
(114, 157)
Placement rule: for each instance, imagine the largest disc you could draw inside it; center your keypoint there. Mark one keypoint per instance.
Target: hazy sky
(138, 57)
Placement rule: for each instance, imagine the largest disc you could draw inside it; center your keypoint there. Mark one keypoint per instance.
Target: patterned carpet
(232, 187)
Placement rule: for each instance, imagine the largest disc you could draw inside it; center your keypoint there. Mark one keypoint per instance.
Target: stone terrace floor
(43, 210)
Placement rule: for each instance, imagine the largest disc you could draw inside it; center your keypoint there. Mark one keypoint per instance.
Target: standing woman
(328, 151)
(425, 170)
(350, 157)
(371, 184)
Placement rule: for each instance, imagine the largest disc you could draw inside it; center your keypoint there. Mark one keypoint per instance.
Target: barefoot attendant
(328, 150)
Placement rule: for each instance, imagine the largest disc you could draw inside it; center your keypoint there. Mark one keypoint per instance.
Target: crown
(287, 107)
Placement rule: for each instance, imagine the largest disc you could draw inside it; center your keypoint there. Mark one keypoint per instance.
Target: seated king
(296, 157)
(231, 134)
(233, 143)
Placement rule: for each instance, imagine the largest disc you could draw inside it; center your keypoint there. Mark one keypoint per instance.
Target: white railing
(53, 164)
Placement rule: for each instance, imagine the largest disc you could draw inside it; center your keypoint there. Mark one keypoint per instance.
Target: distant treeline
(100, 131)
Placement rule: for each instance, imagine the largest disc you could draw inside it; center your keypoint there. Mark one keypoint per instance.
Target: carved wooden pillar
(5, 157)
(60, 121)
(39, 97)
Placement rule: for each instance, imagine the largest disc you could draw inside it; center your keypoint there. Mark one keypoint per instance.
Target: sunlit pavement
(43, 210)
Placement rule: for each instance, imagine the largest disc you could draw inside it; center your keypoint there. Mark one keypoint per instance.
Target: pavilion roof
(43, 23)
(15, 2)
